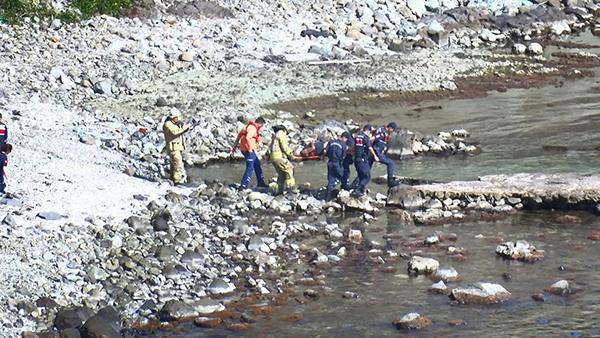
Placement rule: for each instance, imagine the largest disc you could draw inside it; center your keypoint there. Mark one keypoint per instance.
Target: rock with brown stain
(293, 317)
(412, 321)
(239, 327)
(207, 322)
(594, 236)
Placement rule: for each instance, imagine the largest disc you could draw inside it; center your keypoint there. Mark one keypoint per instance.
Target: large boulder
(418, 264)
(405, 197)
(177, 310)
(355, 203)
(100, 327)
(520, 250)
(480, 293)
(446, 274)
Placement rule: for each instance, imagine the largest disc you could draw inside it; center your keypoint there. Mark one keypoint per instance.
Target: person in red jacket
(248, 140)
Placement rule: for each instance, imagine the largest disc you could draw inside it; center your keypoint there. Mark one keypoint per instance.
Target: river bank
(78, 96)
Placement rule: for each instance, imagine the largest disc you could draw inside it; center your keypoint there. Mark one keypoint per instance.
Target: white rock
(418, 264)
(435, 27)
(560, 27)
(417, 7)
(535, 48)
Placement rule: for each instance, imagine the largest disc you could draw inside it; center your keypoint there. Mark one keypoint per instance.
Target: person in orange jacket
(248, 140)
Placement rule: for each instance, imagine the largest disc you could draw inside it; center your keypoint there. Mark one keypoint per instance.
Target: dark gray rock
(70, 333)
(177, 310)
(405, 197)
(99, 327)
(160, 220)
(72, 317)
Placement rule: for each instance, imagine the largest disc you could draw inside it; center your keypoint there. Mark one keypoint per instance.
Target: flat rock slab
(556, 190)
(50, 215)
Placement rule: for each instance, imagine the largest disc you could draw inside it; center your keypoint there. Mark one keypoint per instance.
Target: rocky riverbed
(89, 249)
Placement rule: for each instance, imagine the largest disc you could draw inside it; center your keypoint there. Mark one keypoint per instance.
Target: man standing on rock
(3, 133)
(381, 137)
(336, 153)
(174, 136)
(248, 140)
(362, 151)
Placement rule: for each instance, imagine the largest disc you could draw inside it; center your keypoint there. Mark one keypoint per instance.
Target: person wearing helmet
(280, 155)
(381, 138)
(174, 132)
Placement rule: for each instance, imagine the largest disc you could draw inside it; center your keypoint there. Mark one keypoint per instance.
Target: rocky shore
(89, 249)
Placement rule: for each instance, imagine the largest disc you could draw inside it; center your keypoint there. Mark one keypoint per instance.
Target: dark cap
(346, 134)
(392, 125)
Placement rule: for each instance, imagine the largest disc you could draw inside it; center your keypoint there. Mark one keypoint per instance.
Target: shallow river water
(512, 128)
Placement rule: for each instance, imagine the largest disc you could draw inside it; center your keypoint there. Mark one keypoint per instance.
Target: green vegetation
(13, 11)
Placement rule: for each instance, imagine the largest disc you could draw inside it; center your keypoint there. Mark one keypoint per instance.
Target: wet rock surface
(480, 293)
(519, 250)
(412, 321)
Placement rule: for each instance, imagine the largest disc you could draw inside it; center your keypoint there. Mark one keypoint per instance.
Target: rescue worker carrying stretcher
(174, 131)
(336, 153)
(280, 155)
(381, 138)
(363, 149)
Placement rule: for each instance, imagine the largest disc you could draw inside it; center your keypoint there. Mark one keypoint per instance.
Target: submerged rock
(412, 321)
(562, 288)
(419, 264)
(519, 250)
(480, 293)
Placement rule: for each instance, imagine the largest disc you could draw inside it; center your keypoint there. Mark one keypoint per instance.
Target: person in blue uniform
(381, 138)
(349, 158)
(336, 153)
(363, 150)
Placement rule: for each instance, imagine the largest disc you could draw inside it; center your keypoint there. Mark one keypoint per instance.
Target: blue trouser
(363, 170)
(335, 172)
(346, 172)
(252, 165)
(389, 164)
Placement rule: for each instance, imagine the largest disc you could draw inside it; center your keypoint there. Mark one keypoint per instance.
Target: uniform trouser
(389, 164)
(363, 170)
(346, 172)
(177, 168)
(335, 174)
(252, 165)
(285, 174)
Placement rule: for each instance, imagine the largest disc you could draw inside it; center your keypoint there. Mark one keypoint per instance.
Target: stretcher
(309, 157)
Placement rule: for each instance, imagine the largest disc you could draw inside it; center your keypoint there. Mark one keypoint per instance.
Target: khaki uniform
(175, 146)
(280, 155)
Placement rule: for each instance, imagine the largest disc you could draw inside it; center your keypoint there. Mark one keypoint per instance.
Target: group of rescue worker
(361, 147)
